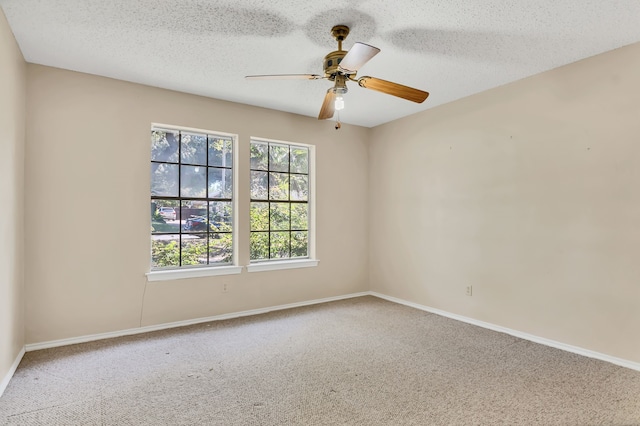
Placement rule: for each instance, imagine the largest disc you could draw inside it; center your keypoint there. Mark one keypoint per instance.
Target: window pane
(164, 179)
(193, 181)
(220, 248)
(194, 249)
(299, 244)
(259, 186)
(165, 251)
(279, 216)
(299, 160)
(164, 146)
(164, 214)
(194, 149)
(259, 156)
(299, 216)
(191, 173)
(221, 216)
(278, 158)
(282, 224)
(220, 151)
(193, 208)
(299, 187)
(259, 216)
(259, 245)
(279, 245)
(220, 183)
(278, 186)
(194, 216)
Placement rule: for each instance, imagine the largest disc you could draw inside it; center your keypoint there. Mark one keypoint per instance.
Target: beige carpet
(361, 361)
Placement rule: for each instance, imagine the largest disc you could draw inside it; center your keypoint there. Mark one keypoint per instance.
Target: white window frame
(205, 270)
(293, 263)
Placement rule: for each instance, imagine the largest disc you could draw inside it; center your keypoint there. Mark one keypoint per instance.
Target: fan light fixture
(339, 101)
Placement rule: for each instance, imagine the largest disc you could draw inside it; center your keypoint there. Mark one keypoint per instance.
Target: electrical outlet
(469, 290)
(225, 288)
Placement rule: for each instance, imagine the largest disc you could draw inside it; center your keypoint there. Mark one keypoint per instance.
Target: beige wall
(525, 192)
(12, 126)
(87, 206)
(528, 192)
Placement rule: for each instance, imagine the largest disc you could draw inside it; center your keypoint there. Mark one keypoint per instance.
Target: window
(192, 198)
(279, 201)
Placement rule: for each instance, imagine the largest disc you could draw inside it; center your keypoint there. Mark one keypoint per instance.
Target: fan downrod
(331, 61)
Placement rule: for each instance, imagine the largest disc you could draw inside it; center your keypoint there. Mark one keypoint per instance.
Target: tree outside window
(191, 199)
(279, 201)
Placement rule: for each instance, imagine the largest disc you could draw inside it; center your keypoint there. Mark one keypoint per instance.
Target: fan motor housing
(331, 62)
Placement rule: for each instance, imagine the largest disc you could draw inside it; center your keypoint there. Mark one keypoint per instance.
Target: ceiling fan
(341, 66)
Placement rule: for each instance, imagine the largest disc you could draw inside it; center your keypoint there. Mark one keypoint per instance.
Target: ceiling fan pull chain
(338, 125)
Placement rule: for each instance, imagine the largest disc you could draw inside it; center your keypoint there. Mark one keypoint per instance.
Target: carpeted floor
(361, 361)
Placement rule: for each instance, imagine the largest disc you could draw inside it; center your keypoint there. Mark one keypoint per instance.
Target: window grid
(208, 199)
(289, 201)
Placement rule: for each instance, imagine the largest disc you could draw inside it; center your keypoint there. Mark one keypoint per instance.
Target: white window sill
(281, 264)
(178, 274)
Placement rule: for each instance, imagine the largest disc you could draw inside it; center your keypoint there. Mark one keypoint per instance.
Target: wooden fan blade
(285, 77)
(357, 56)
(328, 106)
(395, 89)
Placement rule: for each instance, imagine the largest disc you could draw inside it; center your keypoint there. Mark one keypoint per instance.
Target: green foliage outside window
(191, 173)
(166, 253)
(279, 201)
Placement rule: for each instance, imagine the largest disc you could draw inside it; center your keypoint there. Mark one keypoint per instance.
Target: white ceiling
(450, 48)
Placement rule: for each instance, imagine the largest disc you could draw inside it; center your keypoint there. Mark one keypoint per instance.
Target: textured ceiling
(450, 48)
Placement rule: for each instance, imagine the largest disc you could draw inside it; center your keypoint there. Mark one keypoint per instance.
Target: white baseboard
(7, 378)
(541, 340)
(89, 338)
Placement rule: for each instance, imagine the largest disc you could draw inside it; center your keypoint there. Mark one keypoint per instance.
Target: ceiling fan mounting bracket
(340, 32)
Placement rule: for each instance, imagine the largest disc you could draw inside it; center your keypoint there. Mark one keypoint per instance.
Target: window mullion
(179, 198)
(289, 197)
(269, 196)
(206, 194)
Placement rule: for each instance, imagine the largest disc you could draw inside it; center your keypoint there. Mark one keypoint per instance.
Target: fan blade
(357, 56)
(328, 106)
(395, 89)
(285, 77)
